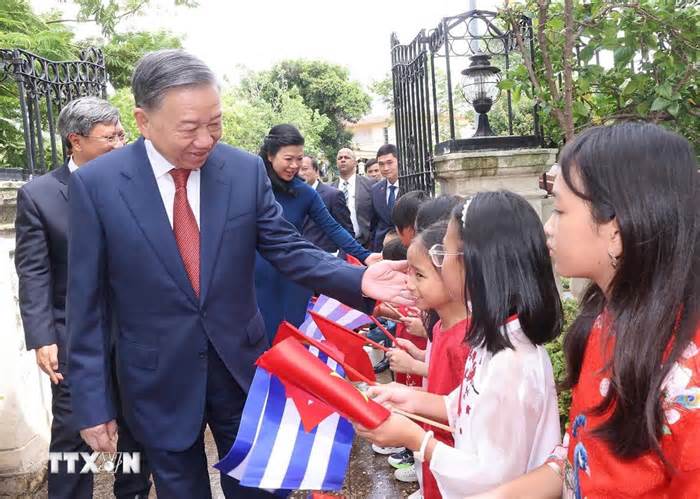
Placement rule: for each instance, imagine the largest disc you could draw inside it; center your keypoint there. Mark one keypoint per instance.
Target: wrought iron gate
(44, 87)
(423, 125)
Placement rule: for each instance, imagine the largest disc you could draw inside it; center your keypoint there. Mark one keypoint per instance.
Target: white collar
(160, 165)
(71, 165)
(351, 180)
(395, 184)
(315, 184)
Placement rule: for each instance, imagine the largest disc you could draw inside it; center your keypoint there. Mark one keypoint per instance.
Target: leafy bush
(556, 354)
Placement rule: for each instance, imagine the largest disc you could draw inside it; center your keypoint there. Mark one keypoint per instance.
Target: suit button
(202, 355)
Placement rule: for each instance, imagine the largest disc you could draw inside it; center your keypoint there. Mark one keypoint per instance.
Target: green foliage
(648, 69)
(21, 28)
(123, 100)
(247, 119)
(108, 13)
(523, 122)
(556, 355)
(124, 50)
(322, 86)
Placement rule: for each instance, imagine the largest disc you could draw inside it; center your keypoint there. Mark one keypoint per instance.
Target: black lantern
(480, 89)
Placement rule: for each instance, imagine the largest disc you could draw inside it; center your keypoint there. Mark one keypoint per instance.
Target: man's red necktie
(185, 227)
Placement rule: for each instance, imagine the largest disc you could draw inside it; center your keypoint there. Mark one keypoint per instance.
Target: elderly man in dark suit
(164, 232)
(89, 128)
(384, 195)
(356, 190)
(335, 204)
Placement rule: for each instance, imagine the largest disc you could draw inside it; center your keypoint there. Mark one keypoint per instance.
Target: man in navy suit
(335, 204)
(89, 127)
(164, 233)
(384, 194)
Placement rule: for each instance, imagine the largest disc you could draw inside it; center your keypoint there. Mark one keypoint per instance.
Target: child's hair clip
(464, 211)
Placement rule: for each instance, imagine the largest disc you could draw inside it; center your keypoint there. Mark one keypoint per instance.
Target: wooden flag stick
(416, 417)
(347, 367)
(393, 309)
(374, 344)
(386, 332)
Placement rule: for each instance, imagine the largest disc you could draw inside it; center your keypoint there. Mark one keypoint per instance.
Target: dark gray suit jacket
(363, 207)
(335, 204)
(41, 258)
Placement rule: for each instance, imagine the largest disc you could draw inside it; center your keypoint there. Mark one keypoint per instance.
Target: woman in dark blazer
(280, 299)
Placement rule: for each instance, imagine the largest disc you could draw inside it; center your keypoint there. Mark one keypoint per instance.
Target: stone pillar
(517, 170)
(25, 392)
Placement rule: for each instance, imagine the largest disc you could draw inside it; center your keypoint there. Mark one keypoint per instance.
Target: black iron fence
(426, 110)
(43, 88)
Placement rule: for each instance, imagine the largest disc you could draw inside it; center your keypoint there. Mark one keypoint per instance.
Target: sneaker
(401, 459)
(416, 495)
(407, 474)
(386, 451)
(381, 366)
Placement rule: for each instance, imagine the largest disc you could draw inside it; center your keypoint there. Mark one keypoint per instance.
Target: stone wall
(25, 392)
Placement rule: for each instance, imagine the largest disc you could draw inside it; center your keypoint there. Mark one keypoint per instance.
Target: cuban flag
(272, 449)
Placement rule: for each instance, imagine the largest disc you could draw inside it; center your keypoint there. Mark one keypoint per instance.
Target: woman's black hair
(434, 210)
(508, 271)
(278, 137)
(427, 238)
(646, 179)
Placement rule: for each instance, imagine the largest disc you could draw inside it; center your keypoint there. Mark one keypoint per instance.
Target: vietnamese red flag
(348, 342)
(295, 366)
(353, 261)
(285, 330)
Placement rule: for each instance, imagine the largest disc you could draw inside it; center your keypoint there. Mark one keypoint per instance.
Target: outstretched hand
(386, 281)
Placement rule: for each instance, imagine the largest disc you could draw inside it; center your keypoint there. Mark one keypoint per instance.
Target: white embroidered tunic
(505, 418)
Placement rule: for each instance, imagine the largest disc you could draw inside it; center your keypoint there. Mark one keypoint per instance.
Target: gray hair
(159, 71)
(82, 114)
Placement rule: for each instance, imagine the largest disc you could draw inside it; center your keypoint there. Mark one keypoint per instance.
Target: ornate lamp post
(480, 89)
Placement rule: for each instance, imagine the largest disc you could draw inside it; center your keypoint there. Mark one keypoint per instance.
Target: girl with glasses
(503, 414)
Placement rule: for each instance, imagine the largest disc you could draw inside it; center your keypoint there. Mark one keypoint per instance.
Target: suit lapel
(140, 192)
(62, 174)
(214, 196)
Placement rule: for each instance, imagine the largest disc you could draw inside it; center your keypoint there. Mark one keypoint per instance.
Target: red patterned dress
(592, 471)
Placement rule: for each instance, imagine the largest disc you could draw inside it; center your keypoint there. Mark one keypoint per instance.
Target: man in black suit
(89, 128)
(384, 194)
(335, 204)
(356, 190)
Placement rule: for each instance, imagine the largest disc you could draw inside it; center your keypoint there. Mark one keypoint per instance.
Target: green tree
(21, 28)
(123, 50)
(109, 13)
(248, 118)
(655, 47)
(323, 87)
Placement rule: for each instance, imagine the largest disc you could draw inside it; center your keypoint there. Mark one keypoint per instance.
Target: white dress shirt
(71, 165)
(506, 422)
(315, 185)
(166, 184)
(351, 182)
(388, 191)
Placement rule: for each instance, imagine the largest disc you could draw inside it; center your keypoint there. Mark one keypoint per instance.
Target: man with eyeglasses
(89, 128)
